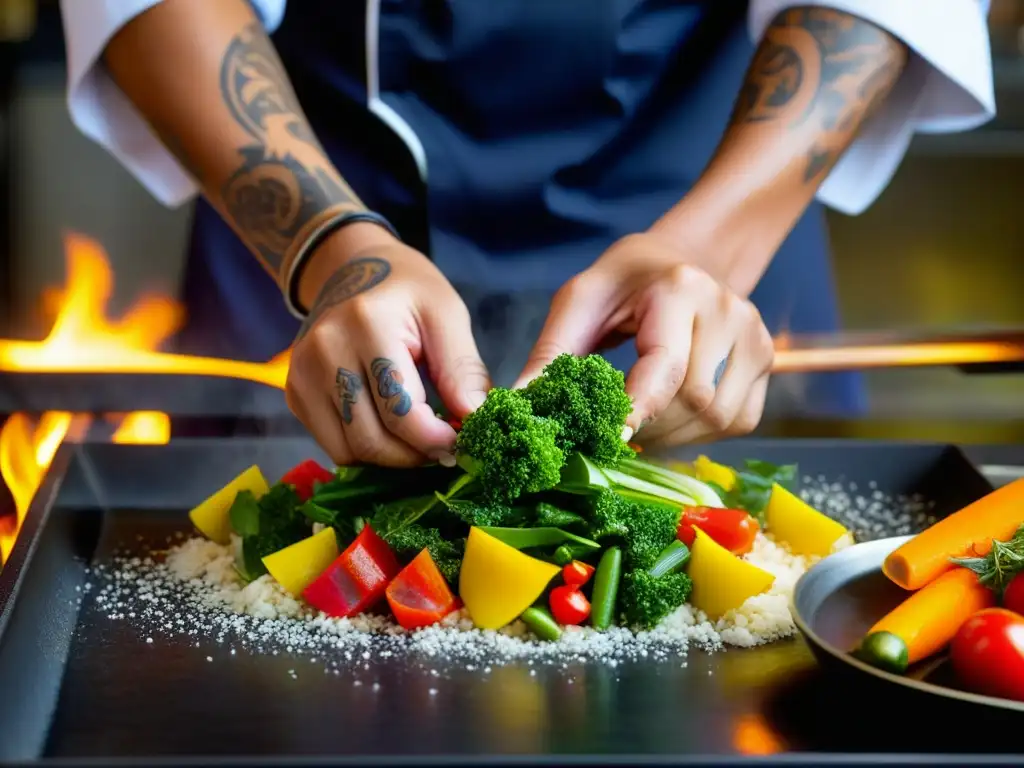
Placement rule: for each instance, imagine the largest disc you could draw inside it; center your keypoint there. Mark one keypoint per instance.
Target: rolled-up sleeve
(947, 85)
(101, 111)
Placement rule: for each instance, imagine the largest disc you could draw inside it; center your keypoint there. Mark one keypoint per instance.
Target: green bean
(673, 557)
(606, 588)
(541, 623)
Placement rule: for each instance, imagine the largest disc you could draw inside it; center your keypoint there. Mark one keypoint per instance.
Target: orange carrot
(928, 620)
(636, 447)
(967, 533)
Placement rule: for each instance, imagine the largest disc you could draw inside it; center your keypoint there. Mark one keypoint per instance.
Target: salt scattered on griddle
(195, 593)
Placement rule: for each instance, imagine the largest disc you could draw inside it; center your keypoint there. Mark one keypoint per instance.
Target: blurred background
(943, 249)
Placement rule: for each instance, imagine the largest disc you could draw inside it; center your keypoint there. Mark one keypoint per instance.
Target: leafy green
(645, 599)
(550, 516)
(483, 514)
(1004, 561)
(513, 451)
(753, 486)
(245, 514)
(534, 538)
(266, 526)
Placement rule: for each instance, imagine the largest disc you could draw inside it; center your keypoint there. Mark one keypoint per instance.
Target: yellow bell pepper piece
(297, 566)
(211, 517)
(710, 472)
(498, 582)
(722, 581)
(805, 530)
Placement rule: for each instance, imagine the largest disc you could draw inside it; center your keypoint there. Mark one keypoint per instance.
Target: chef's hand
(685, 323)
(381, 308)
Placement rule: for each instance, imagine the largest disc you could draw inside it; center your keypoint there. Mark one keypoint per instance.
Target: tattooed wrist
(351, 279)
(285, 186)
(820, 70)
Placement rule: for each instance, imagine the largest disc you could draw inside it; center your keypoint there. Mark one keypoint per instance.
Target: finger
(746, 420)
(317, 414)
(574, 325)
(454, 361)
(663, 343)
(369, 441)
(400, 400)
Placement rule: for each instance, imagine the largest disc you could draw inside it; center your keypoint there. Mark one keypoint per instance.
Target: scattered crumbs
(192, 591)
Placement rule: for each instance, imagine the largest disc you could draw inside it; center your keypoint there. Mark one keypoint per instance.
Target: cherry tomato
(988, 653)
(1013, 595)
(455, 424)
(569, 605)
(734, 529)
(305, 476)
(576, 574)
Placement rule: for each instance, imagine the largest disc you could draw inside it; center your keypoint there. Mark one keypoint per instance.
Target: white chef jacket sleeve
(101, 111)
(947, 86)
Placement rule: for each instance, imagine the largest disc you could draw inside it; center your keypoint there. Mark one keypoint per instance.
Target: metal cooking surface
(100, 690)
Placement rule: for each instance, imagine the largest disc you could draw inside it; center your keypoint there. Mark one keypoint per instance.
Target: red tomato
(305, 476)
(988, 653)
(455, 424)
(569, 605)
(734, 529)
(576, 574)
(1013, 595)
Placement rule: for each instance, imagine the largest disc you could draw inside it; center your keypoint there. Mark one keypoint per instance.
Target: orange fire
(84, 339)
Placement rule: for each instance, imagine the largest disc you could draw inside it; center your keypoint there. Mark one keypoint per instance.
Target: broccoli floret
(645, 529)
(645, 600)
(512, 451)
(587, 397)
(409, 541)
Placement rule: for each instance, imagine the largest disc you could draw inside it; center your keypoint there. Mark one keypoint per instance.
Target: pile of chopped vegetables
(548, 517)
(966, 578)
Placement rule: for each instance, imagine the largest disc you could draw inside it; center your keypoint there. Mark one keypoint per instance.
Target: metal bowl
(838, 600)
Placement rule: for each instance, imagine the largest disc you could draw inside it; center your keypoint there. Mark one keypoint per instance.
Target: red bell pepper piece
(734, 529)
(304, 477)
(419, 596)
(576, 574)
(357, 579)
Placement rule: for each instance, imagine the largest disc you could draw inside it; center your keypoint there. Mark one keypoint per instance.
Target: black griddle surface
(100, 691)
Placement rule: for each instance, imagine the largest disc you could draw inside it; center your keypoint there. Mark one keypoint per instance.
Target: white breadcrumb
(195, 592)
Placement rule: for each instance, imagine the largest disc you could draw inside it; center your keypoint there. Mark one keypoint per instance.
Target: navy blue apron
(550, 130)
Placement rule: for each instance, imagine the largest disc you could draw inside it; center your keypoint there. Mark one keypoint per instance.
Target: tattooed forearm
(820, 70)
(390, 386)
(349, 384)
(285, 186)
(355, 277)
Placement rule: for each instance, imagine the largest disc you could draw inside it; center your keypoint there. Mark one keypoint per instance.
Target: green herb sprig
(996, 569)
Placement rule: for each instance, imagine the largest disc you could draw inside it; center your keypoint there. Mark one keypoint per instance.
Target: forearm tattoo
(349, 384)
(285, 185)
(355, 277)
(823, 67)
(390, 386)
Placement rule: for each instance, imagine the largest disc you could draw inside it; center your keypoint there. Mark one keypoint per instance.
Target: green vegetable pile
(543, 469)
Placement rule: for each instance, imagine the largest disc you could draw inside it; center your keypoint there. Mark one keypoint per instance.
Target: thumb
(573, 327)
(454, 361)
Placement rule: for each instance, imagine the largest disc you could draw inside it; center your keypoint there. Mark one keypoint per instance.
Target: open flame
(84, 339)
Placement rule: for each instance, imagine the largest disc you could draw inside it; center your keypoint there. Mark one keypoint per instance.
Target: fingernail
(476, 399)
(444, 458)
(627, 433)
